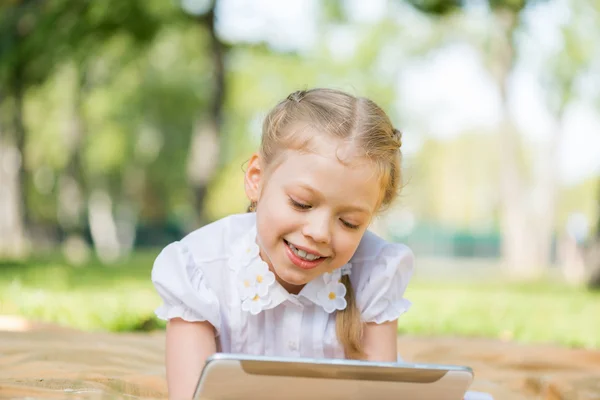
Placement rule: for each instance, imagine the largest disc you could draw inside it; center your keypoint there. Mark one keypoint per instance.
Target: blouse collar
(260, 290)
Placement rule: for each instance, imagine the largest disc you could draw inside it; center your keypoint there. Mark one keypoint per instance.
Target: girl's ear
(253, 178)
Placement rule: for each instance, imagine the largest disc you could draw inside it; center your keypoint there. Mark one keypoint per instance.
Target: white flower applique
(255, 304)
(254, 286)
(251, 251)
(332, 296)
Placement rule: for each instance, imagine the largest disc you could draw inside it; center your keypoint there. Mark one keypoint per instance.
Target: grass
(121, 298)
(117, 298)
(531, 313)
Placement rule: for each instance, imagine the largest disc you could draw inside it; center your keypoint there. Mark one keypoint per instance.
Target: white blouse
(215, 274)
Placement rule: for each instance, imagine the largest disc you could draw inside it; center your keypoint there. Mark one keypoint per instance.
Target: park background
(125, 125)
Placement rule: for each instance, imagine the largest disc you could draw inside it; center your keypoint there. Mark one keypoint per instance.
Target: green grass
(532, 313)
(121, 298)
(118, 297)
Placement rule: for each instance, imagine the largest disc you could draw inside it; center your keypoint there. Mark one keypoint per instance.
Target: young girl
(299, 274)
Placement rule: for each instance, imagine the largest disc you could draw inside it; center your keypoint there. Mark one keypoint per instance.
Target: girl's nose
(318, 229)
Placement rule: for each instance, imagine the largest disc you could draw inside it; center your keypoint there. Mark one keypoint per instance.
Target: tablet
(234, 377)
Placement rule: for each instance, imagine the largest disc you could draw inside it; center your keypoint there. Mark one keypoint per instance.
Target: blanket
(50, 362)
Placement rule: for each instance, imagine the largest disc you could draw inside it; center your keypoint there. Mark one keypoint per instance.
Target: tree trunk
(527, 217)
(594, 253)
(14, 217)
(12, 238)
(570, 260)
(545, 194)
(516, 237)
(598, 211)
(21, 134)
(205, 149)
(72, 184)
(103, 226)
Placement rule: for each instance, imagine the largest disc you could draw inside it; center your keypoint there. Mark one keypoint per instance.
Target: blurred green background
(126, 125)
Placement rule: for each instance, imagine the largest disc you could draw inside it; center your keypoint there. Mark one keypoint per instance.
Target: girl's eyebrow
(310, 189)
(357, 208)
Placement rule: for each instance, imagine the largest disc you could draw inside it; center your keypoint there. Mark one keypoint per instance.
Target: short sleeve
(183, 287)
(381, 284)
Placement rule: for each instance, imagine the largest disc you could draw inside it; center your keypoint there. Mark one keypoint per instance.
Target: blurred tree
(594, 254)
(36, 38)
(167, 102)
(529, 208)
(564, 75)
(525, 242)
(208, 139)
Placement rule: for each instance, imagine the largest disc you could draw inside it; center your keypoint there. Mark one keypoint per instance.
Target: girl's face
(312, 209)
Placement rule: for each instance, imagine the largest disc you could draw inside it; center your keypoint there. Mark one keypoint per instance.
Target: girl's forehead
(341, 163)
(307, 139)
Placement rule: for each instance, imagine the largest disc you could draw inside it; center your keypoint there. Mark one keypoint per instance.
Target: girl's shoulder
(380, 273)
(374, 247)
(190, 274)
(214, 240)
(202, 255)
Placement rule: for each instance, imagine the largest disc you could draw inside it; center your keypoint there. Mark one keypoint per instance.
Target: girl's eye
(299, 206)
(349, 225)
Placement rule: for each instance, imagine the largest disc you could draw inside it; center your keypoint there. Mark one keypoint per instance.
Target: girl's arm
(189, 344)
(380, 341)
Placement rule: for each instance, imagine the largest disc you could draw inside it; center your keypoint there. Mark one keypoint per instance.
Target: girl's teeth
(302, 253)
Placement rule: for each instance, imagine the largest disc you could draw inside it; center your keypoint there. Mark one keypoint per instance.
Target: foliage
(37, 37)
(136, 78)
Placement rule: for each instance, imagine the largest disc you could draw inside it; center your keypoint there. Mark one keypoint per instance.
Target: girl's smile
(302, 257)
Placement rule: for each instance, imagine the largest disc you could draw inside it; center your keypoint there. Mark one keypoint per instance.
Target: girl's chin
(291, 279)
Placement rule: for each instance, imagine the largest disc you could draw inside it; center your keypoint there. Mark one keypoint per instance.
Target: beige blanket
(45, 361)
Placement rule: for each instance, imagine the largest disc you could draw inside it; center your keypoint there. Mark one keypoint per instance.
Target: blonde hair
(356, 120)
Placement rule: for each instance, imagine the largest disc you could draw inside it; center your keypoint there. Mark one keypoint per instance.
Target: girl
(299, 275)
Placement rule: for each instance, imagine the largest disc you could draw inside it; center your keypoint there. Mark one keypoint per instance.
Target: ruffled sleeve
(381, 284)
(183, 287)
